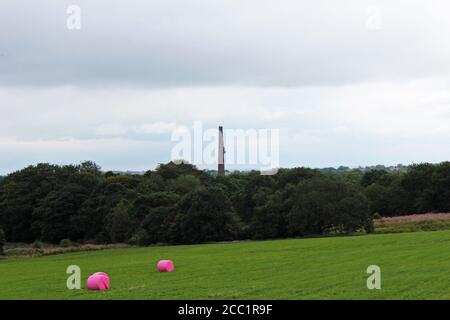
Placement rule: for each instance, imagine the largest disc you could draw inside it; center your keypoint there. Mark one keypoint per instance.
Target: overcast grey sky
(354, 82)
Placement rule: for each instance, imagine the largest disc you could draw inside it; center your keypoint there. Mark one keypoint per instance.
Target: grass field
(413, 266)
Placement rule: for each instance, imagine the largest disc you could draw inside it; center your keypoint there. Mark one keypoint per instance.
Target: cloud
(110, 153)
(377, 122)
(224, 42)
(110, 129)
(119, 129)
(157, 127)
(342, 91)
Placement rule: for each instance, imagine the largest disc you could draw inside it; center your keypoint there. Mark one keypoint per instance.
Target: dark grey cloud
(200, 42)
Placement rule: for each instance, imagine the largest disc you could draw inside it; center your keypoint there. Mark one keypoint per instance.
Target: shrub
(412, 226)
(24, 252)
(33, 252)
(37, 245)
(66, 243)
(139, 238)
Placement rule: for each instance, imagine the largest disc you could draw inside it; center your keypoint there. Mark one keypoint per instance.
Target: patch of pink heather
(414, 217)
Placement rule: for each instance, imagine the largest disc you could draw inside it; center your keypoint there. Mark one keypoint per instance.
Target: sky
(356, 82)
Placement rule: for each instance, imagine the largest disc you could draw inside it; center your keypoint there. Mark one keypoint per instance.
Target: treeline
(177, 203)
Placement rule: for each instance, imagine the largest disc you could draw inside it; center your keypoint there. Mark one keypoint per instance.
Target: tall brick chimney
(221, 163)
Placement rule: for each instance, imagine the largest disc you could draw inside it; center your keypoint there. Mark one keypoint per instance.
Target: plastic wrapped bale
(165, 266)
(98, 281)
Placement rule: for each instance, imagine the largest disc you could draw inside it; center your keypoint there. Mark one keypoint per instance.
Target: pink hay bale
(165, 266)
(98, 281)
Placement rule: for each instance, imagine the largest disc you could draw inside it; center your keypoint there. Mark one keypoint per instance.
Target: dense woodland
(177, 203)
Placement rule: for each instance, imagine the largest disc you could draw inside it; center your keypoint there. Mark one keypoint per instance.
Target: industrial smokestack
(221, 166)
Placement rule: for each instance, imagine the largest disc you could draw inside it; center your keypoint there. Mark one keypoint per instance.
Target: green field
(413, 265)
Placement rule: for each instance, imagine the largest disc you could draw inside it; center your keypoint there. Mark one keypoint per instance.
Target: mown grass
(413, 265)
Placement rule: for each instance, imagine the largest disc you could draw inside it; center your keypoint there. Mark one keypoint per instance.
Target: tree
(26, 194)
(417, 179)
(269, 220)
(89, 167)
(177, 203)
(372, 176)
(2, 241)
(202, 216)
(119, 223)
(152, 183)
(439, 193)
(145, 204)
(53, 216)
(89, 223)
(353, 214)
(186, 183)
(326, 204)
(387, 196)
(173, 170)
(294, 176)
(20, 194)
(155, 225)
